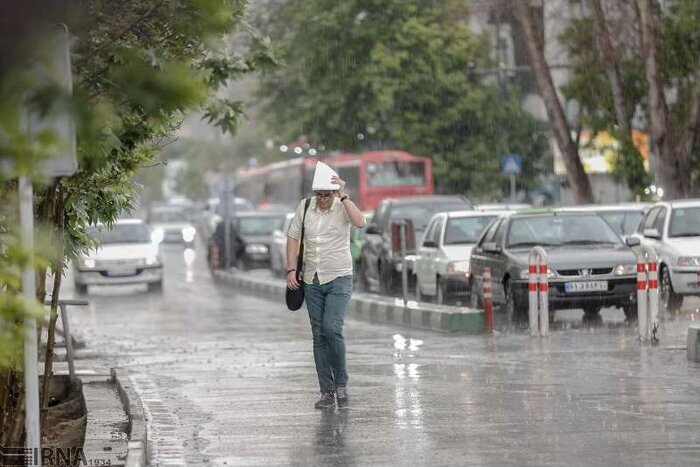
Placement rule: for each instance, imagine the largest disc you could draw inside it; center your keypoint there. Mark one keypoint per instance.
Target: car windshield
(685, 222)
(560, 230)
(121, 233)
(259, 225)
(169, 215)
(623, 222)
(421, 214)
(236, 205)
(465, 230)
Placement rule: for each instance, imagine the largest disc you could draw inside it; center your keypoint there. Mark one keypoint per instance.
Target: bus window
(395, 173)
(351, 175)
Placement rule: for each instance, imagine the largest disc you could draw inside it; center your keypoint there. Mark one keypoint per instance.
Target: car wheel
(155, 286)
(669, 300)
(419, 293)
(515, 311)
(591, 310)
(441, 291)
(385, 285)
(630, 312)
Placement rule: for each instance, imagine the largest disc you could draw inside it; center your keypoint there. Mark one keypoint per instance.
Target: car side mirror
(652, 233)
(374, 230)
(491, 247)
(632, 241)
(429, 244)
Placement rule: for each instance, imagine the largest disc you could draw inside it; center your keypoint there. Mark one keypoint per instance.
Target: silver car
(278, 247)
(672, 229)
(442, 263)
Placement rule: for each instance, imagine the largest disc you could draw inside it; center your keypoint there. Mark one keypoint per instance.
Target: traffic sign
(512, 164)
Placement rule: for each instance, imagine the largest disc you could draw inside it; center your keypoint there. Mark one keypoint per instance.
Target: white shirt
(326, 241)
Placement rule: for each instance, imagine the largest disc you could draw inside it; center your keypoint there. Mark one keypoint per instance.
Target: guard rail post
(538, 292)
(486, 292)
(647, 293)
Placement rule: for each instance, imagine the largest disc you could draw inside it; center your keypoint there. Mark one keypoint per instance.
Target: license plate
(119, 272)
(591, 286)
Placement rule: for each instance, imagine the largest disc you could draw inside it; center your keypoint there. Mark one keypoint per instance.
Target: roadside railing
(68, 338)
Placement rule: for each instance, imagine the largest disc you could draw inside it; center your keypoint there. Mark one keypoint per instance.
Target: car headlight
(625, 269)
(188, 233)
(525, 274)
(151, 260)
(157, 235)
(689, 261)
(256, 249)
(87, 263)
(458, 267)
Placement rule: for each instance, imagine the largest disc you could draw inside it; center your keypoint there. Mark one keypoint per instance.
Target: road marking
(165, 445)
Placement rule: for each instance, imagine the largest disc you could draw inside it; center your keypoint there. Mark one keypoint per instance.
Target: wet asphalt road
(229, 379)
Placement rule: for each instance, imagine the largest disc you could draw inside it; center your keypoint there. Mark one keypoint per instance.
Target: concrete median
(374, 308)
(694, 343)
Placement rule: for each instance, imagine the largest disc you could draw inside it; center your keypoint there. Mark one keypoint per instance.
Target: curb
(378, 309)
(138, 434)
(694, 343)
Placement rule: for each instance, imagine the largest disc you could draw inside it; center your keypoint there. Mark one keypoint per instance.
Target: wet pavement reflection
(236, 372)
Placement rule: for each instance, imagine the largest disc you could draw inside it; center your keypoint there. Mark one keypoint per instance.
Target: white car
(673, 230)
(171, 223)
(128, 254)
(442, 263)
(278, 247)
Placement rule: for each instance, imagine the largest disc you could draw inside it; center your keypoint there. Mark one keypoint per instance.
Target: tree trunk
(670, 175)
(574, 168)
(612, 70)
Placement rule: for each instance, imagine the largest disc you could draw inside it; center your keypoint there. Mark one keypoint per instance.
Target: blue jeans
(326, 304)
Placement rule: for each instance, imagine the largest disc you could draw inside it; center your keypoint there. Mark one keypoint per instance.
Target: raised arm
(355, 216)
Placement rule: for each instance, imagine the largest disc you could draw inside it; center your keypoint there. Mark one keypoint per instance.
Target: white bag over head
(322, 178)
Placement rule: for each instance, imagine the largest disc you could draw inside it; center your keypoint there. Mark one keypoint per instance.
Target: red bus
(371, 177)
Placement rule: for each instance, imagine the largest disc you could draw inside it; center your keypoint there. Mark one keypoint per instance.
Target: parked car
(623, 218)
(278, 247)
(173, 224)
(128, 253)
(589, 265)
(215, 212)
(357, 239)
(251, 238)
(672, 229)
(380, 268)
(442, 264)
(502, 206)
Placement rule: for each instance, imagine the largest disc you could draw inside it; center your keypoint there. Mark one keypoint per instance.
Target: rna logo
(10, 456)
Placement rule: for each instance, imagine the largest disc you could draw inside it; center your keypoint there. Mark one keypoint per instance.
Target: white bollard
(533, 306)
(647, 293)
(538, 292)
(544, 297)
(642, 298)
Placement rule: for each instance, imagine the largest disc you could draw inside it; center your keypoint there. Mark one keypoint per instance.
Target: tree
(562, 133)
(673, 135)
(366, 74)
(655, 53)
(138, 67)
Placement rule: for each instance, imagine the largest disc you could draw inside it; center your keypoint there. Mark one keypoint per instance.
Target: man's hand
(292, 282)
(339, 181)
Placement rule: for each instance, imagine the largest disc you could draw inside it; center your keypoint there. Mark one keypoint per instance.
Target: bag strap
(300, 257)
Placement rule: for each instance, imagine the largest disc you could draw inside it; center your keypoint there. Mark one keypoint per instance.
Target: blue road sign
(512, 164)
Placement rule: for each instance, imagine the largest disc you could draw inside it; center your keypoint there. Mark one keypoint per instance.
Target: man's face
(324, 198)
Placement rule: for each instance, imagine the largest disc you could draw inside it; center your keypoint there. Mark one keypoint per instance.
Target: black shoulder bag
(295, 298)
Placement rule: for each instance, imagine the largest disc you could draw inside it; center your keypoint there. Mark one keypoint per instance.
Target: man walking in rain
(327, 276)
